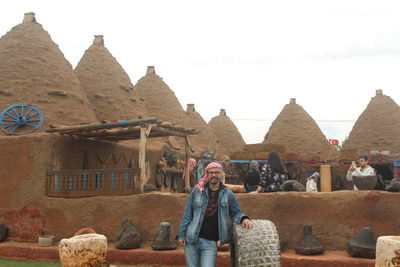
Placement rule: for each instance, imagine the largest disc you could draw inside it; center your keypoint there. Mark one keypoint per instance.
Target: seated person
(273, 174)
(363, 170)
(252, 178)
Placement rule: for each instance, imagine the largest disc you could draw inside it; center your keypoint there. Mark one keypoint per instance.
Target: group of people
(266, 178)
(211, 206)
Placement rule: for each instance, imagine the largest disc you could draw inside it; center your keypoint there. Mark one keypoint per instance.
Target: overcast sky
(249, 57)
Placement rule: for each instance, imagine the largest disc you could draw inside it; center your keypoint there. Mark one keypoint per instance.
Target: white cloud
(249, 57)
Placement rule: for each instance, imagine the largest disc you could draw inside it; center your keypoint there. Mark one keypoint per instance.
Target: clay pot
(387, 251)
(365, 182)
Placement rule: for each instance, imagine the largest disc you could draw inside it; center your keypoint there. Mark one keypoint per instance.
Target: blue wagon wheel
(20, 119)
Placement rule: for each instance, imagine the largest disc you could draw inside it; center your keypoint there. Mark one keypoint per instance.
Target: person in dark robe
(252, 178)
(273, 174)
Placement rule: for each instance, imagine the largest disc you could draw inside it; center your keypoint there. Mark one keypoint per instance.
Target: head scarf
(274, 161)
(204, 179)
(253, 166)
(192, 163)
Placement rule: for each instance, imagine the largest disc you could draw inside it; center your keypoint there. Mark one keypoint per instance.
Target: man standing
(206, 216)
(363, 170)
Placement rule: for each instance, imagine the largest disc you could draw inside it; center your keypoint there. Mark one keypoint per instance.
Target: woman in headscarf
(273, 175)
(252, 178)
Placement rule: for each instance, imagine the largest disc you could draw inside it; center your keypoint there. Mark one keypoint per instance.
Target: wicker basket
(365, 182)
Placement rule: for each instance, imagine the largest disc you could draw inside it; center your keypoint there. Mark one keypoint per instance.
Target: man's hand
(247, 224)
(353, 167)
(182, 242)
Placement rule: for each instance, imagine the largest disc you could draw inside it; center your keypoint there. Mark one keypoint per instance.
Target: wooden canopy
(127, 130)
(122, 130)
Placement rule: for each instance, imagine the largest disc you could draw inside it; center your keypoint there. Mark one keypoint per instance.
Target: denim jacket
(195, 210)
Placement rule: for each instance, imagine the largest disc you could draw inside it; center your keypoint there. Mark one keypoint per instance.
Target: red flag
(334, 142)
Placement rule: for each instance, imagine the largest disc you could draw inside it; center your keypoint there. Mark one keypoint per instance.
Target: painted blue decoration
(127, 180)
(113, 184)
(20, 119)
(98, 181)
(396, 163)
(71, 182)
(124, 122)
(57, 183)
(85, 181)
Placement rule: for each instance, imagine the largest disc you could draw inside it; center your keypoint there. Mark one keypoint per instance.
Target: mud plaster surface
(34, 71)
(108, 87)
(162, 103)
(227, 133)
(377, 128)
(297, 131)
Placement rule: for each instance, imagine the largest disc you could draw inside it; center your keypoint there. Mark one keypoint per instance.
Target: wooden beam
(142, 159)
(98, 126)
(112, 132)
(168, 131)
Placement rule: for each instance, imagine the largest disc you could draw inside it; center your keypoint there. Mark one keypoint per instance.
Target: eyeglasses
(216, 172)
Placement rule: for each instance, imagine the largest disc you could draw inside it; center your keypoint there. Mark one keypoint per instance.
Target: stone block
(83, 250)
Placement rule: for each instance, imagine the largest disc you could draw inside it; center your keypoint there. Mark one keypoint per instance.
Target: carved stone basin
(365, 182)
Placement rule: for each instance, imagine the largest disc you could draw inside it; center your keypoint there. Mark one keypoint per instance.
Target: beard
(214, 180)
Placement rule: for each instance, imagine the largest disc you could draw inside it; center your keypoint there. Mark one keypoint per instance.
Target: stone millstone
(127, 236)
(3, 232)
(308, 244)
(364, 245)
(162, 241)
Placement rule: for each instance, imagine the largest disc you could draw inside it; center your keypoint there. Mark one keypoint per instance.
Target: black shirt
(209, 227)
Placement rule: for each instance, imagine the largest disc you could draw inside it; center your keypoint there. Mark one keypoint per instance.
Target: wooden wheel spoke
(9, 125)
(15, 128)
(12, 116)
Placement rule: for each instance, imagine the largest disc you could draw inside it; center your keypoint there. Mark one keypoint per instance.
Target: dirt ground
(26, 263)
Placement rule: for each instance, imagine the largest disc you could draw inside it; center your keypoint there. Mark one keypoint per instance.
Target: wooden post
(142, 158)
(326, 179)
(187, 156)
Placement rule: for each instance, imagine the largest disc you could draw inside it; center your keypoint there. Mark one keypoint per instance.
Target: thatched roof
(207, 136)
(298, 132)
(377, 128)
(227, 132)
(108, 87)
(34, 71)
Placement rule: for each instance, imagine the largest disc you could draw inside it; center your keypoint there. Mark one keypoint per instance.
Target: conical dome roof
(207, 137)
(162, 103)
(108, 87)
(298, 132)
(378, 127)
(34, 71)
(227, 132)
(160, 100)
